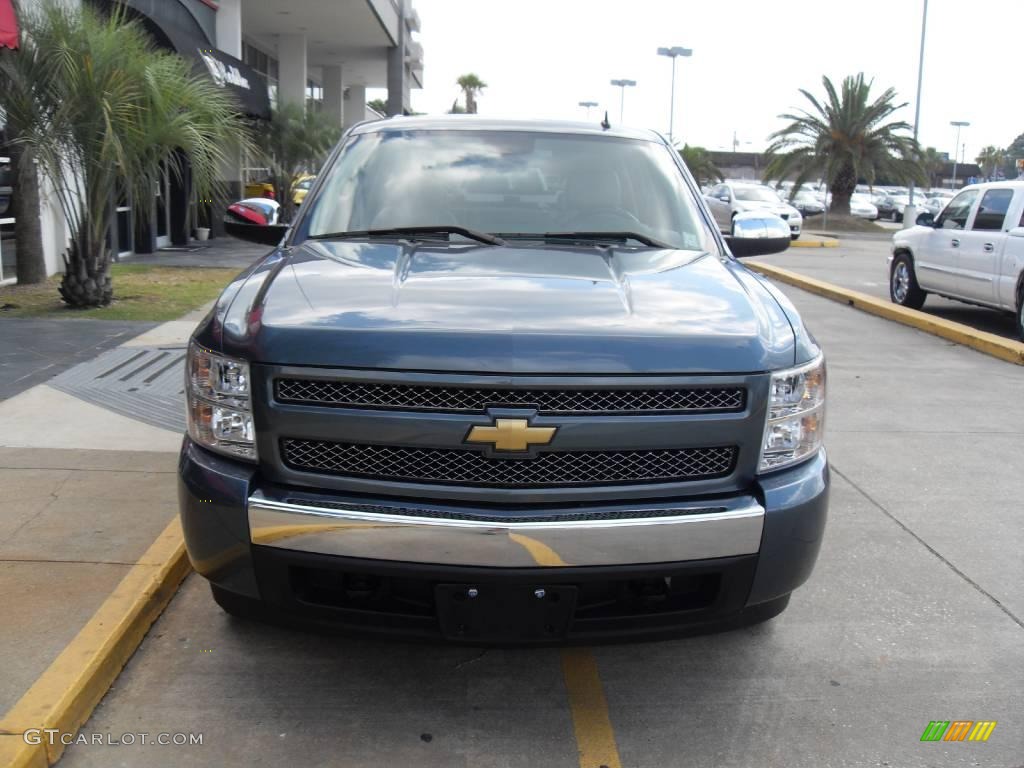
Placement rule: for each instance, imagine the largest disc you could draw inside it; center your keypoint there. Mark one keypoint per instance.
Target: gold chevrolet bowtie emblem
(511, 435)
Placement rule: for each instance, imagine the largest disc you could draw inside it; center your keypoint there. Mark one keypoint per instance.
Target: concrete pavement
(860, 263)
(915, 613)
(37, 349)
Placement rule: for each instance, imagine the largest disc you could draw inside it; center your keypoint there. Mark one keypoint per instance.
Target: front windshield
(506, 182)
(756, 195)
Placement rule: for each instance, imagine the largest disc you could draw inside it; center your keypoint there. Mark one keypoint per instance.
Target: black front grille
(445, 399)
(463, 467)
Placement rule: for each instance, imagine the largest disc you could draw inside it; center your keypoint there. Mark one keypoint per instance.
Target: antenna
(604, 123)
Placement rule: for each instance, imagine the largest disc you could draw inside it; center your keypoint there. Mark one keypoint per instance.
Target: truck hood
(512, 309)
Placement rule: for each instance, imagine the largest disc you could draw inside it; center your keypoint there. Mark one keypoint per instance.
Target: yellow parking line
(65, 694)
(595, 738)
(989, 343)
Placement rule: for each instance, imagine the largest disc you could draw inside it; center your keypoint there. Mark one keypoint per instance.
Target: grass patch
(141, 292)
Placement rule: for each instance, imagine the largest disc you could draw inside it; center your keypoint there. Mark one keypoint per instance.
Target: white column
(292, 72)
(355, 105)
(229, 27)
(334, 93)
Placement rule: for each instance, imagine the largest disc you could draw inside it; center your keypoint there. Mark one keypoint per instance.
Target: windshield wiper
(622, 236)
(412, 233)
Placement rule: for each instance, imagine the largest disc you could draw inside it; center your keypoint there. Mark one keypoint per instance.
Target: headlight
(218, 392)
(796, 416)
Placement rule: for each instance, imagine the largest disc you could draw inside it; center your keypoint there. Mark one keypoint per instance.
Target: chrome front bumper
(602, 536)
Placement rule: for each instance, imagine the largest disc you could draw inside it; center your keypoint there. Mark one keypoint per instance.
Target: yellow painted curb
(825, 242)
(15, 753)
(989, 343)
(67, 692)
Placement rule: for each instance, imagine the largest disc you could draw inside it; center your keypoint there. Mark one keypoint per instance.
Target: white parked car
(972, 251)
(729, 198)
(861, 206)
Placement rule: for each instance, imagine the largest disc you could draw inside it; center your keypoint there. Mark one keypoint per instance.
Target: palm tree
(296, 140)
(100, 109)
(932, 163)
(990, 159)
(700, 164)
(471, 86)
(846, 138)
(28, 236)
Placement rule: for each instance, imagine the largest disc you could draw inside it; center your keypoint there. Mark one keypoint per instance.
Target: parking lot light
(958, 124)
(588, 105)
(673, 53)
(623, 84)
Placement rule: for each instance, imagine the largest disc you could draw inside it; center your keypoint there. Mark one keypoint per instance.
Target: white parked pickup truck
(973, 251)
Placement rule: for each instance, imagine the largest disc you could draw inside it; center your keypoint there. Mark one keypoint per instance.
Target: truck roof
(477, 123)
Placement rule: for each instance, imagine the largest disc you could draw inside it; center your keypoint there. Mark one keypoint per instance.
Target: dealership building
(323, 54)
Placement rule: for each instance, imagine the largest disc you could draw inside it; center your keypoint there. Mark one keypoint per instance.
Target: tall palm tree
(991, 159)
(296, 140)
(844, 138)
(102, 110)
(472, 86)
(700, 164)
(932, 163)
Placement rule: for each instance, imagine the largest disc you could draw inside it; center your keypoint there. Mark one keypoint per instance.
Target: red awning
(8, 25)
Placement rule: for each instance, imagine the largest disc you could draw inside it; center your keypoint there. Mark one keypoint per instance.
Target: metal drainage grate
(417, 397)
(142, 383)
(462, 467)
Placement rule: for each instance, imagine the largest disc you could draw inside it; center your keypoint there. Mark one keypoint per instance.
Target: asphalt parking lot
(860, 263)
(915, 613)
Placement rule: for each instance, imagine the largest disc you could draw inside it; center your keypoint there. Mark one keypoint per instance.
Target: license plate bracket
(505, 613)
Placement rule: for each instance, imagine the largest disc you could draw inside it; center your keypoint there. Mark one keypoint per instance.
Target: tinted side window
(992, 211)
(954, 215)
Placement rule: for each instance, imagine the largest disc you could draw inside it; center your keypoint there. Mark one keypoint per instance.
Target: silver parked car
(730, 198)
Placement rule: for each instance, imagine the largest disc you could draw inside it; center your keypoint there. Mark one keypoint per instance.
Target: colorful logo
(958, 730)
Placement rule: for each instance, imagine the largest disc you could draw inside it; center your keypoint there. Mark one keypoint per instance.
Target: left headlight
(795, 425)
(218, 393)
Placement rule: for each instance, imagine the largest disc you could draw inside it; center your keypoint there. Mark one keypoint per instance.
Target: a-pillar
(334, 94)
(292, 71)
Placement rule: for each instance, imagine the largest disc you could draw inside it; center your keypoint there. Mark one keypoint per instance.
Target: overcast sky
(541, 57)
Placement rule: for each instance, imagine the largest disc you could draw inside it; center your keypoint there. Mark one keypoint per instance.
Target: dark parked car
(505, 381)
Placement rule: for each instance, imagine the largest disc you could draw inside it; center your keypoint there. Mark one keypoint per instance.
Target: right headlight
(218, 391)
(795, 425)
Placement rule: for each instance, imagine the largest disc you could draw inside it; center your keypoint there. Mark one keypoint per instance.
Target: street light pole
(673, 53)
(623, 84)
(588, 105)
(956, 147)
(910, 212)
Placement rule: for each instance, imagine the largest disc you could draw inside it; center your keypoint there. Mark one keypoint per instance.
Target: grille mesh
(416, 397)
(463, 467)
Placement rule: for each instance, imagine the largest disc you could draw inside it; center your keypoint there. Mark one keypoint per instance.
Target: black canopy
(247, 85)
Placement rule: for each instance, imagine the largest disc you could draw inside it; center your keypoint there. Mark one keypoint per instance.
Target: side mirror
(758, 233)
(1017, 232)
(925, 219)
(269, 234)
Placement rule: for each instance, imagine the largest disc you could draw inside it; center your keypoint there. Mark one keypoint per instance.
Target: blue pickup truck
(505, 381)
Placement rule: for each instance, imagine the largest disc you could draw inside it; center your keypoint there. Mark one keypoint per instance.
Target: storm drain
(143, 383)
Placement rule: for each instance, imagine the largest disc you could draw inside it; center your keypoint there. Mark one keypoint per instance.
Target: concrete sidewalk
(85, 492)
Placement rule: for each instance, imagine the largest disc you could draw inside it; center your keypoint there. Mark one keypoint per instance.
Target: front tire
(1020, 314)
(903, 287)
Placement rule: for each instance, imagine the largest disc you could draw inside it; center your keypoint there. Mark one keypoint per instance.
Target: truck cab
(972, 251)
